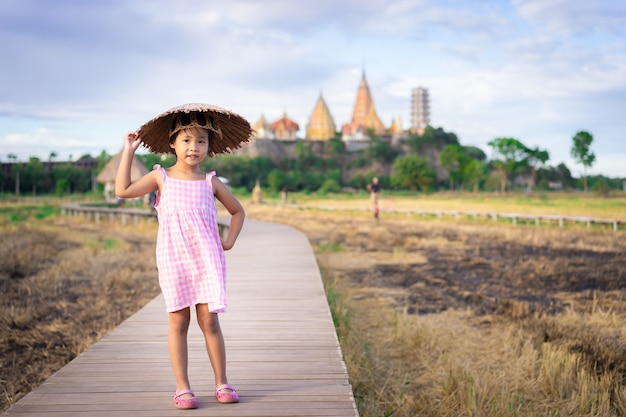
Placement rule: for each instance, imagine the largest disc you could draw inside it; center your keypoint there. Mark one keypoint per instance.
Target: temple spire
(321, 124)
(364, 116)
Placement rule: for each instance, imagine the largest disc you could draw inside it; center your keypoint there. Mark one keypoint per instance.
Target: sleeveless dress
(189, 253)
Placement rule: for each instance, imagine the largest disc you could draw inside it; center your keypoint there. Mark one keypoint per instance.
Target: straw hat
(230, 130)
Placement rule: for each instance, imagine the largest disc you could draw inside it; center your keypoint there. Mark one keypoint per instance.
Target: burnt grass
(524, 274)
(63, 285)
(468, 265)
(491, 275)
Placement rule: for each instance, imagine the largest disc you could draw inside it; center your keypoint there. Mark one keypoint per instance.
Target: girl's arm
(124, 187)
(237, 213)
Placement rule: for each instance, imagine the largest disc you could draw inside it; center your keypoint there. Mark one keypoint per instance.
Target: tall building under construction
(420, 110)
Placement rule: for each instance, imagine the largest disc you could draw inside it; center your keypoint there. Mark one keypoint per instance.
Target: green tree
(305, 157)
(15, 171)
(358, 181)
(581, 152)
(34, 174)
(337, 146)
(62, 186)
(330, 185)
(380, 150)
(335, 175)
(509, 155)
(475, 153)
(453, 159)
(536, 159)
(19, 173)
(473, 172)
(235, 168)
(412, 171)
(432, 137)
(75, 179)
(275, 180)
(102, 159)
(149, 160)
(551, 177)
(2, 179)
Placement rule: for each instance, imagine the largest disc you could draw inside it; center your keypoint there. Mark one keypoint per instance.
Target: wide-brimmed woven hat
(230, 130)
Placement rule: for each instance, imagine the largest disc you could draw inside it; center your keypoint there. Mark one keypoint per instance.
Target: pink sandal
(224, 396)
(185, 403)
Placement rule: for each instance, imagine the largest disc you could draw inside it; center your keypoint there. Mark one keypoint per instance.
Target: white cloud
(568, 18)
(537, 70)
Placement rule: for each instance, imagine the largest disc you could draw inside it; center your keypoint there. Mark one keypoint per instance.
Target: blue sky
(78, 74)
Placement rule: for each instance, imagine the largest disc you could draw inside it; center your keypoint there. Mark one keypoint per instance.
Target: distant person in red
(374, 189)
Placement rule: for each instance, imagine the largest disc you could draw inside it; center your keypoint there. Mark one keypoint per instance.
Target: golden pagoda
(396, 126)
(321, 124)
(364, 116)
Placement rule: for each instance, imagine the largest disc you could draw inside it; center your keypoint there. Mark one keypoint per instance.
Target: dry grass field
(435, 318)
(470, 318)
(63, 285)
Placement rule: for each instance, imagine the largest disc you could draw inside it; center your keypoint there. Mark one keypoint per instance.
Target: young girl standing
(190, 250)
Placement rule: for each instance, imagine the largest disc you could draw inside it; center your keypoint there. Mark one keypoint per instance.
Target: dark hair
(210, 133)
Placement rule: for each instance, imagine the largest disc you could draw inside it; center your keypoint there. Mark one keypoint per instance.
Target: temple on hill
(281, 129)
(285, 128)
(321, 124)
(364, 116)
(262, 129)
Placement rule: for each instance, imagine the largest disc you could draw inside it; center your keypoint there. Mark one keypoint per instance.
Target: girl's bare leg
(177, 345)
(214, 339)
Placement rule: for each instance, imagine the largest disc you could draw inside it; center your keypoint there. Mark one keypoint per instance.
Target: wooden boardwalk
(282, 351)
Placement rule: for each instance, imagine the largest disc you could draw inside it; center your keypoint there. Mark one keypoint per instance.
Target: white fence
(536, 219)
(124, 215)
(97, 213)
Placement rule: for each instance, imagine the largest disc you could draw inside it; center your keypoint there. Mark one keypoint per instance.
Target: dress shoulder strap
(161, 171)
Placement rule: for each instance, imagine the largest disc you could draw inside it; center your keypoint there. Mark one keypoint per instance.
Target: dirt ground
(64, 284)
(477, 283)
(414, 266)
(428, 266)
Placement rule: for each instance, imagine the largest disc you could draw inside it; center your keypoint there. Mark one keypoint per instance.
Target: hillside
(356, 157)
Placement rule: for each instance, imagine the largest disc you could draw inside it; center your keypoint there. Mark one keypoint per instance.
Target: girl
(190, 251)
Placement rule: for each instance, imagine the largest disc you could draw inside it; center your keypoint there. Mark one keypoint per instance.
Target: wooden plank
(282, 350)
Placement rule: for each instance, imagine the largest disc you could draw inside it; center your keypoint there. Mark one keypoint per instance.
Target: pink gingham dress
(189, 253)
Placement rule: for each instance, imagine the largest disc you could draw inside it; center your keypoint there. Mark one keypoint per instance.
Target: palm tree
(582, 154)
(14, 169)
(509, 155)
(536, 158)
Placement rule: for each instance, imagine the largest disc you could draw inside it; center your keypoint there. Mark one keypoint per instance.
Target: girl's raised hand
(132, 141)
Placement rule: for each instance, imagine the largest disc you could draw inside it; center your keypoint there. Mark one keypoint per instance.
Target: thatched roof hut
(109, 172)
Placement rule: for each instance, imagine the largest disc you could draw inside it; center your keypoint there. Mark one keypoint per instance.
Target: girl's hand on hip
(226, 246)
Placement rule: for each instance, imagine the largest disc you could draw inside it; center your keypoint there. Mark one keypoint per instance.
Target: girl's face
(191, 145)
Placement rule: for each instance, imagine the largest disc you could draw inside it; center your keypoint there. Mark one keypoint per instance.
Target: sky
(77, 75)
